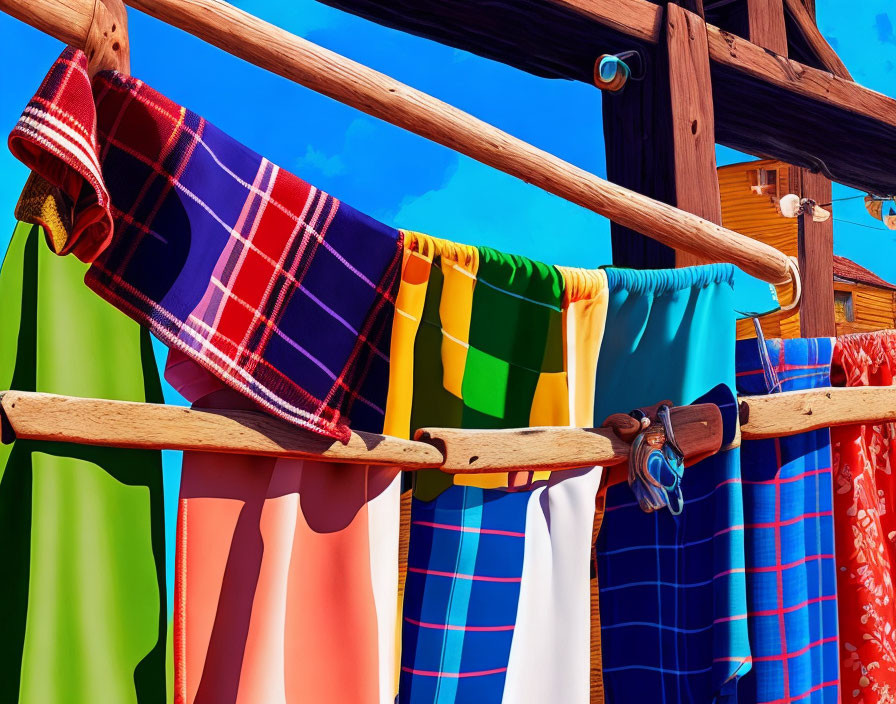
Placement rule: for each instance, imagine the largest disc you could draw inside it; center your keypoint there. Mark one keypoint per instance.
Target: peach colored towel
(286, 574)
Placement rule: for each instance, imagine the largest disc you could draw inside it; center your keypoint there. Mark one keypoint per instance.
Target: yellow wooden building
(750, 192)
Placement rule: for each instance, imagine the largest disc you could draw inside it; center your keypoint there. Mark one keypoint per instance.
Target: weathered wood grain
(793, 412)
(53, 418)
(693, 121)
(107, 44)
(354, 84)
(698, 431)
(67, 20)
(816, 255)
(852, 134)
(804, 22)
(765, 19)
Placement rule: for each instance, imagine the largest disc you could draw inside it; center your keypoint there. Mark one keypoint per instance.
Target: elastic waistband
(465, 255)
(582, 284)
(663, 281)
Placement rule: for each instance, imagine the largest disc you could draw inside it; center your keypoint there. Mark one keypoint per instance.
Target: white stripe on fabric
(83, 146)
(550, 651)
(520, 297)
(383, 517)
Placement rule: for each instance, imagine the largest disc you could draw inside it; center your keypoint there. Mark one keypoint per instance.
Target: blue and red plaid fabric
(465, 566)
(282, 291)
(788, 502)
(673, 597)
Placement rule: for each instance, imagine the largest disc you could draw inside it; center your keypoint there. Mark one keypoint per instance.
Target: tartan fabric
(489, 353)
(282, 291)
(672, 588)
(493, 359)
(789, 536)
(460, 603)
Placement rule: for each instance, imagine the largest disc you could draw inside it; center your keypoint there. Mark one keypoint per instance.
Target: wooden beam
(695, 6)
(816, 255)
(793, 412)
(765, 19)
(635, 18)
(797, 114)
(738, 54)
(359, 86)
(150, 426)
(804, 20)
(693, 120)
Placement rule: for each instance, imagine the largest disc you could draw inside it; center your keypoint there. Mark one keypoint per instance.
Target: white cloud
(331, 165)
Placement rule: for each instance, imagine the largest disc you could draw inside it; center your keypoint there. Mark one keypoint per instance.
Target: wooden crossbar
(356, 85)
(149, 426)
(53, 418)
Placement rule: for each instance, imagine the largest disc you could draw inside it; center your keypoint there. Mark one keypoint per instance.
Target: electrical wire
(859, 224)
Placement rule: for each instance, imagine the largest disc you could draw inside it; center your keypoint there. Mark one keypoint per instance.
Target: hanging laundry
(482, 621)
(280, 290)
(286, 573)
(672, 588)
(864, 495)
(789, 535)
(585, 298)
(489, 351)
(82, 596)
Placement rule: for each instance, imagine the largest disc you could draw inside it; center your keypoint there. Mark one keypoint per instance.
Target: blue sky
(402, 179)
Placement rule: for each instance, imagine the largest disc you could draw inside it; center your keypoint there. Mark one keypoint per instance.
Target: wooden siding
(874, 308)
(757, 216)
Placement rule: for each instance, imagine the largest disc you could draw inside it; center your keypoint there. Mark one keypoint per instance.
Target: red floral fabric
(864, 494)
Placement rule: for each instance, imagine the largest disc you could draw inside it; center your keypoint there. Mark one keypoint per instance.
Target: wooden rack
(52, 418)
(356, 85)
(149, 426)
(100, 27)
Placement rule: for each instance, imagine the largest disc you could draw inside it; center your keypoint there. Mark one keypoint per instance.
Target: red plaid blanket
(282, 291)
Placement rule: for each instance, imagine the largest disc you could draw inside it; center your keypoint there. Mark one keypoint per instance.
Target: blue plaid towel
(465, 567)
(672, 588)
(791, 573)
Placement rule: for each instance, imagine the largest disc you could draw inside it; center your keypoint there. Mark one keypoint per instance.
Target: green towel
(82, 602)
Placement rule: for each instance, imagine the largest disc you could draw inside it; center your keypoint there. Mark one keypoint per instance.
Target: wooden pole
(86, 421)
(107, 45)
(816, 255)
(660, 139)
(637, 126)
(815, 240)
(698, 431)
(150, 426)
(328, 73)
(794, 412)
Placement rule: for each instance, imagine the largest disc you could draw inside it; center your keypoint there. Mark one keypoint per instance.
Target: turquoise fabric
(655, 345)
(673, 599)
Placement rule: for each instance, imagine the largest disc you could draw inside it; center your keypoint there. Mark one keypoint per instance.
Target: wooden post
(693, 120)
(660, 138)
(638, 144)
(766, 23)
(816, 240)
(816, 253)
